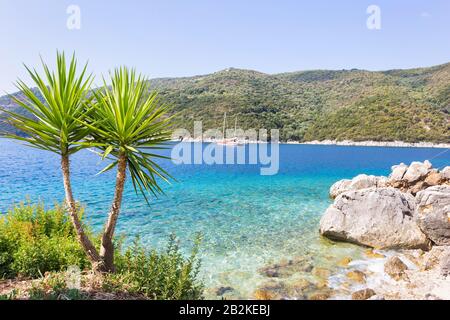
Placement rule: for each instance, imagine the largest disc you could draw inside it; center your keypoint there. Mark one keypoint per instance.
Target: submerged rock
(357, 276)
(261, 294)
(324, 295)
(222, 290)
(395, 268)
(363, 294)
(321, 272)
(433, 208)
(372, 254)
(382, 218)
(287, 268)
(344, 262)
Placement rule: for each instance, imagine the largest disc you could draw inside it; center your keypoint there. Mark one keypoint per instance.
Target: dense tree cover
(410, 105)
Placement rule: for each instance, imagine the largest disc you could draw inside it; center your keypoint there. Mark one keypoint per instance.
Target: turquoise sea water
(247, 220)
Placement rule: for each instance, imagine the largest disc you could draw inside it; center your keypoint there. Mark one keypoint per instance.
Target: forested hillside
(410, 105)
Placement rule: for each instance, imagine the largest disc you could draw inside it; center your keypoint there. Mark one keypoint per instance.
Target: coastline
(347, 143)
(397, 144)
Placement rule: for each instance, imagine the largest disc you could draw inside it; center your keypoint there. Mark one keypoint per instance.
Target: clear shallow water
(248, 221)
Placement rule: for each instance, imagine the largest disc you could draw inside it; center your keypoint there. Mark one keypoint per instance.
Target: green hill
(410, 105)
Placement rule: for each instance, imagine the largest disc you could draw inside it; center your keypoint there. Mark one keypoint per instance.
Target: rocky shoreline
(407, 216)
(397, 144)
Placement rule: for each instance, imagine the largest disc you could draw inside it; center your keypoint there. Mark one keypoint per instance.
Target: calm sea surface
(247, 220)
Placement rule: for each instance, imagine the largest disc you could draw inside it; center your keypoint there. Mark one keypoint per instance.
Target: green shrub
(34, 241)
(160, 276)
(54, 287)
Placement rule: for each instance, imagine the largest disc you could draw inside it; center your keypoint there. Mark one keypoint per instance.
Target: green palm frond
(54, 124)
(129, 120)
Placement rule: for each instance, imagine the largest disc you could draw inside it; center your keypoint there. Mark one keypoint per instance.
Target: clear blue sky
(165, 38)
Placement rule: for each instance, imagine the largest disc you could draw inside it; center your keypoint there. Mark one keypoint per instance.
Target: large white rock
(398, 172)
(445, 173)
(433, 210)
(381, 218)
(361, 181)
(339, 187)
(417, 171)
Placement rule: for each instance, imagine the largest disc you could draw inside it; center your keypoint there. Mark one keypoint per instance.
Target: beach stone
(415, 259)
(395, 268)
(434, 178)
(372, 254)
(363, 294)
(376, 297)
(433, 210)
(322, 283)
(432, 258)
(417, 187)
(417, 171)
(361, 181)
(382, 218)
(357, 276)
(344, 262)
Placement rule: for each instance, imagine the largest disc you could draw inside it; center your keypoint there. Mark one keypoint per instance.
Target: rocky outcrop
(433, 208)
(361, 181)
(379, 218)
(412, 179)
(417, 171)
(409, 209)
(416, 177)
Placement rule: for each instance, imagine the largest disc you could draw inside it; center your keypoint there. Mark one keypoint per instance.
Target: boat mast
(235, 126)
(224, 125)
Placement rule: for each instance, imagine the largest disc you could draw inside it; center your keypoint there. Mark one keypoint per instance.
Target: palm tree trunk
(87, 245)
(107, 246)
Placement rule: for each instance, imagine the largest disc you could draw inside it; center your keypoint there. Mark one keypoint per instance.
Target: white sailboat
(229, 141)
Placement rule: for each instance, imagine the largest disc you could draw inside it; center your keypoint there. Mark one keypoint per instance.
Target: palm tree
(57, 107)
(128, 124)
